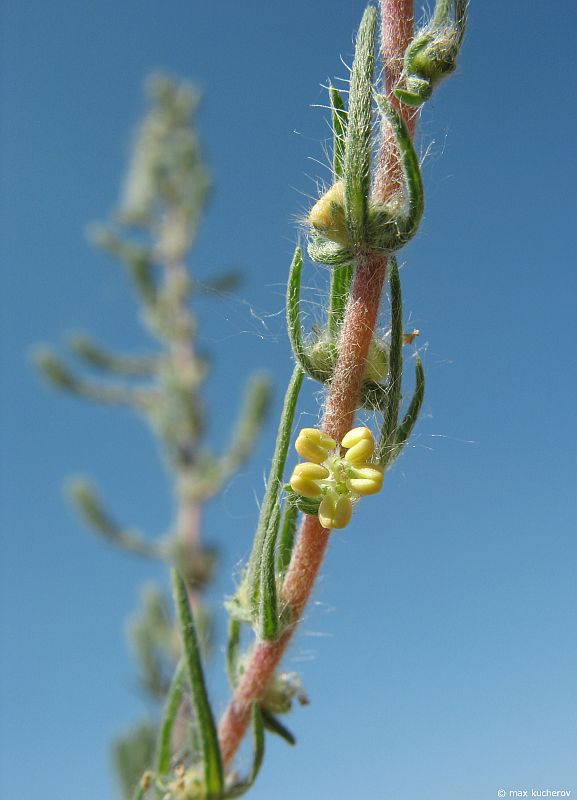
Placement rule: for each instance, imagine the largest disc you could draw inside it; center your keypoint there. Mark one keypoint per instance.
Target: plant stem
(342, 401)
(184, 361)
(396, 34)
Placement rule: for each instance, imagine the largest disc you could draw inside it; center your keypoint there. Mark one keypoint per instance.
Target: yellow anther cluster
(360, 444)
(335, 511)
(314, 445)
(305, 476)
(336, 481)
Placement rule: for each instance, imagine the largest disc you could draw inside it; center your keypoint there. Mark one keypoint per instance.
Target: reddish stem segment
(396, 34)
(342, 401)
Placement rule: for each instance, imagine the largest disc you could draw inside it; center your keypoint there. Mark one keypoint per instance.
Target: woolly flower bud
(328, 214)
(283, 688)
(335, 511)
(324, 352)
(377, 365)
(314, 445)
(360, 444)
(438, 58)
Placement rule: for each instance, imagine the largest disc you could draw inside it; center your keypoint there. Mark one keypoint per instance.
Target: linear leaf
(273, 724)
(171, 708)
(340, 276)
(293, 314)
(211, 758)
(407, 223)
(395, 377)
(99, 358)
(274, 481)
(396, 352)
(358, 145)
(287, 537)
(268, 607)
(339, 131)
(409, 420)
(232, 648)
(90, 506)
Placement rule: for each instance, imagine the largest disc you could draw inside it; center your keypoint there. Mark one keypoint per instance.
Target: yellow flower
(337, 482)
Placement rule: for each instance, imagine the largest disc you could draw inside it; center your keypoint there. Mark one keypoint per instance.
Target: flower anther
(337, 481)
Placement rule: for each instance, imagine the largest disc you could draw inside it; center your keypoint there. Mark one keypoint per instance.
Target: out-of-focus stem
(341, 404)
(184, 362)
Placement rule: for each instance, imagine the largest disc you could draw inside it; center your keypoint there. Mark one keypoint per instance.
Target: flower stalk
(356, 335)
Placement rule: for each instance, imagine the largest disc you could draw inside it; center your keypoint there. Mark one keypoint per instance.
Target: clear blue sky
(440, 654)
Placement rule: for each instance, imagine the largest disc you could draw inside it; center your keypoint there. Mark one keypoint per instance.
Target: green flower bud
(324, 352)
(328, 215)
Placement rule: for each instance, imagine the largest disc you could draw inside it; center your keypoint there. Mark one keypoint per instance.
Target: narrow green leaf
(137, 259)
(340, 288)
(441, 14)
(408, 223)
(395, 379)
(55, 371)
(62, 377)
(293, 314)
(340, 276)
(91, 508)
(171, 708)
(211, 758)
(267, 599)
(272, 724)
(358, 144)
(99, 358)
(258, 756)
(339, 131)
(287, 537)
(232, 649)
(274, 481)
(409, 420)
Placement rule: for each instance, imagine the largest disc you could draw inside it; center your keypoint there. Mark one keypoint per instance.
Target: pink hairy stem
(342, 400)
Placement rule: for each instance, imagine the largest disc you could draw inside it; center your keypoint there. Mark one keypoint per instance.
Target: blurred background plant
(164, 196)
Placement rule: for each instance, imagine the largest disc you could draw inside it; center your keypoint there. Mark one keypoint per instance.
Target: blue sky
(440, 652)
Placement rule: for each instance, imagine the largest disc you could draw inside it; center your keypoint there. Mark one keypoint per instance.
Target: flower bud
(328, 215)
(377, 364)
